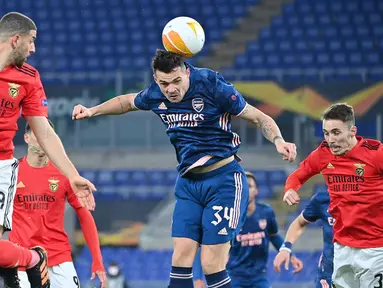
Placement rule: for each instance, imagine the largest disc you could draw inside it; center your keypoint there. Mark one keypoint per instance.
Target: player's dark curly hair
(250, 175)
(340, 111)
(28, 128)
(16, 23)
(166, 62)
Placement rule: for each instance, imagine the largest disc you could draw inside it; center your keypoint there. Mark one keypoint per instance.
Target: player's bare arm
(270, 131)
(293, 234)
(115, 106)
(53, 147)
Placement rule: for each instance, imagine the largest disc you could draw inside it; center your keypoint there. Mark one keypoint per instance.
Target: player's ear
(155, 77)
(26, 138)
(353, 130)
(14, 40)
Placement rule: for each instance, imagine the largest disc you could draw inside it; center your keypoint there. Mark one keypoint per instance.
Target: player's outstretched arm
(270, 131)
(89, 229)
(293, 233)
(52, 146)
(115, 106)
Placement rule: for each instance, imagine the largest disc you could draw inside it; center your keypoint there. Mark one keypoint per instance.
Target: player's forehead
(330, 125)
(169, 77)
(251, 181)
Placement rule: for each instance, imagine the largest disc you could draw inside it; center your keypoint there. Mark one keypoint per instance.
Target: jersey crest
(359, 169)
(13, 90)
(53, 184)
(198, 104)
(262, 224)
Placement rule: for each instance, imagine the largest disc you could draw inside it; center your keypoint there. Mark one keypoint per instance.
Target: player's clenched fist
(291, 197)
(81, 112)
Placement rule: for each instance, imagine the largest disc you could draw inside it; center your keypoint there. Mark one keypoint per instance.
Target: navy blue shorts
(260, 281)
(211, 207)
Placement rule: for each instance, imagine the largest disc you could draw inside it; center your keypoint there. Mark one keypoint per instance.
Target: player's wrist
(286, 246)
(277, 139)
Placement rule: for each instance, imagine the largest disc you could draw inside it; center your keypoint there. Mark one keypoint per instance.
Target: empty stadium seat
(334, 35)
(117, 25)
(139, 265)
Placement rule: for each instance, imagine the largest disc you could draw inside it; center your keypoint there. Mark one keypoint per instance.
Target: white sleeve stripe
(242, 110)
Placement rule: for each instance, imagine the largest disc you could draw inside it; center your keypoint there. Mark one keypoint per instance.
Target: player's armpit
(115, 106)
(268, 126)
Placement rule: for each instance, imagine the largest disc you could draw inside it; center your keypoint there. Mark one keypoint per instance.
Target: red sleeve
(308, 168)
(35, 102)
(380, 158)
(89, 228)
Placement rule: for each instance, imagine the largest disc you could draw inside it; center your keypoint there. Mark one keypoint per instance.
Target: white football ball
(184, 36)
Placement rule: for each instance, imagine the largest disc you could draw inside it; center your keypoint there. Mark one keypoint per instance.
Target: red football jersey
(39, 206)
(355, 184)
(19, 88)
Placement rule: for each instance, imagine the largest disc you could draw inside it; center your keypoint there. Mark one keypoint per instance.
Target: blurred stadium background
(290, 58)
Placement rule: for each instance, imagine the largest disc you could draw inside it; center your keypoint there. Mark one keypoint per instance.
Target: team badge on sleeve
(53, 184)
(198, 104)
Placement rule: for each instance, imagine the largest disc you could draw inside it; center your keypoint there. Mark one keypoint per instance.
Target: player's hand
(83, 189)
(81, 112)
(291, 197)
(282, 257)
(102, 276)
(286, 149)
(198, 283)
(297, 264)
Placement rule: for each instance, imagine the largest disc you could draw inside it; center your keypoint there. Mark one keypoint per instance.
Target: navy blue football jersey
(317, 209)
(199, 125)
(248, 257)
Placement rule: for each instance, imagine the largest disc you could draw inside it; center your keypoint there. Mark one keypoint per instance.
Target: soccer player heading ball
(353, 170)
(196, 106)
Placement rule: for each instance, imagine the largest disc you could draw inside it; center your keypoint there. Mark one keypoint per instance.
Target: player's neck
(353, 143)
(251, 208)
(4, 59)
(36, 161)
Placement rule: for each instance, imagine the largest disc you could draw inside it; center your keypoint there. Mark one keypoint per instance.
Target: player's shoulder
(204, 77)
(265, 207)
(153, 91)
(370, 144)
(320, 198)
(27, 70)
(22, 162)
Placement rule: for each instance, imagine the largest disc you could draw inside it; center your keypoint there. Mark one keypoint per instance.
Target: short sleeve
(228, 97)
(272, 225)
(311, 211)
(35, 102)
(141, 101)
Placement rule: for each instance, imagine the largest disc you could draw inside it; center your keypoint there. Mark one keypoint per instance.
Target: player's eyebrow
(332, 130)
(175, 79)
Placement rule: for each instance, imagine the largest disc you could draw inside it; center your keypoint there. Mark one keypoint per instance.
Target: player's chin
(20, 62)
